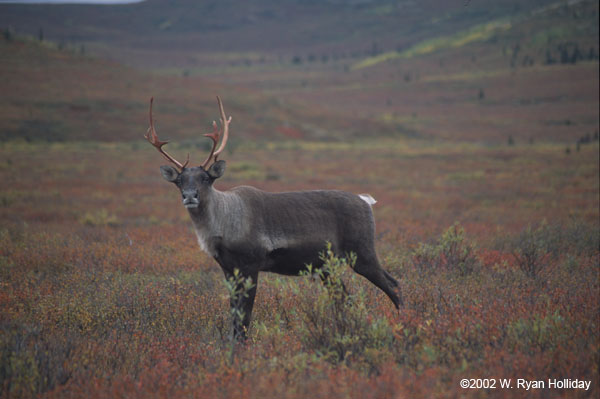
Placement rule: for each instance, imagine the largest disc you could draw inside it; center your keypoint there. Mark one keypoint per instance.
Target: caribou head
(194, 182)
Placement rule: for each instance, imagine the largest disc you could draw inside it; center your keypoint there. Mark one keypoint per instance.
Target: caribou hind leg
(372, 271)
(391, 279)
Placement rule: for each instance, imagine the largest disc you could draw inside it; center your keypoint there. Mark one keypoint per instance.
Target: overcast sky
(72, 1)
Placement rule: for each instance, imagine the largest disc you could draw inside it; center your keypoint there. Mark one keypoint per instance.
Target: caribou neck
(221, 215)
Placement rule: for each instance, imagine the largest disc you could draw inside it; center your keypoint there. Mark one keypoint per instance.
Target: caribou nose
(190, 198)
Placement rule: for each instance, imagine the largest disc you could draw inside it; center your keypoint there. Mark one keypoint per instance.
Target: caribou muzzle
(190, 198)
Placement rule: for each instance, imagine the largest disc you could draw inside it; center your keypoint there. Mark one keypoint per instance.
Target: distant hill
(276, 27)
(460, 70)
(54, 93)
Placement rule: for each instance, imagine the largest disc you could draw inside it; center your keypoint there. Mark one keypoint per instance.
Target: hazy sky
(72, 1)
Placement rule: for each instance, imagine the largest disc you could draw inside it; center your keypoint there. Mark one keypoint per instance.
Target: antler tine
(216, 134)
(153, 139)
(225, 123)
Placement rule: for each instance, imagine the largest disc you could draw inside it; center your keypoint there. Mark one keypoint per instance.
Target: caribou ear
(169, 173)
(216, 170)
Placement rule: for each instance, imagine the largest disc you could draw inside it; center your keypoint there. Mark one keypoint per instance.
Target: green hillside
(342, 28)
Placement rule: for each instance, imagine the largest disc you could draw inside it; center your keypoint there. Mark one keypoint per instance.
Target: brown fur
(251, 230)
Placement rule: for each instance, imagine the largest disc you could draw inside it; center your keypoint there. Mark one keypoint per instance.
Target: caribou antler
(152, 138)
(216, 134)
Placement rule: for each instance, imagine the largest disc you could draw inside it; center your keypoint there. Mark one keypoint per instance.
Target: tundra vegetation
(104, 292)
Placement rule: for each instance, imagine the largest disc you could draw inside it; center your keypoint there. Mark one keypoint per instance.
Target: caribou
(254, 231)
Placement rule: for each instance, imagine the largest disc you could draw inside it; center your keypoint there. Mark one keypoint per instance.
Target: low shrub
(530, 250)
(336, 324)
(31, 360)
(534, 246)
(99, 218)
(452, 251)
